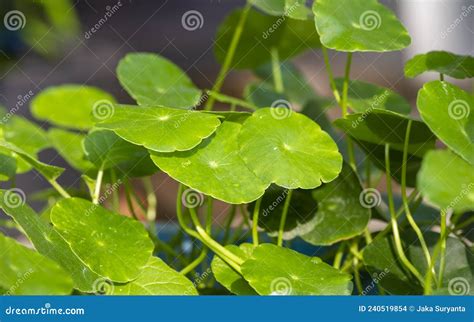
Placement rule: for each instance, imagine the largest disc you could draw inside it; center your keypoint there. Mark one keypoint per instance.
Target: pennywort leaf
(443, 62)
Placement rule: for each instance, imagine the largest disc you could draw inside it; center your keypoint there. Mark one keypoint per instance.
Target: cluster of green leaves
(283, 167)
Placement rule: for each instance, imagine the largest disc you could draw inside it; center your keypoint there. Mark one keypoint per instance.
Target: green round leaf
(363, 97)
(26, 272)
(340, 214)
(261, 33)
(446, 109)
(154, 80)
(160, 129)
(359, 25)
(273, 270)
(112, 245)
(227, 276)
(156, 278)
(447, 181)
(288, 149)
(215, 167)
(49, 243)
(70, 105)
(442, 62)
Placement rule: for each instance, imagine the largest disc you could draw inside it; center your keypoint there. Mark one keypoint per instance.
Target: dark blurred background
(43, 55)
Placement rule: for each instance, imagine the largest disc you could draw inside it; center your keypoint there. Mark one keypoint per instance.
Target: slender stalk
(436, 252)
(230, 219)
(393, 220)
(152, 203)
(115, 193)
(98, 184)
(276, 71)
(230, 55)
(367, 235)
(256, 212)
(409, 216)
(231, 100)
(355, 266)
(443, 236)
(335, 92)
(441, 77)
(284, 214)
(59, 189)
(345, 86)
(130, 203)
(338, 257)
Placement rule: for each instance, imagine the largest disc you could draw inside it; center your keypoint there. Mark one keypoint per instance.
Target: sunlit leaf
(273, 270)
(71, 105)
(443, 62)
(447, 181)
(156, 278)
(26, 272)
(160, 129)
(359, 25)
(286, 148)
(215, 167)
(446, 109)
(49, 243)
(112, 245)
(295, 9)
(154, 80)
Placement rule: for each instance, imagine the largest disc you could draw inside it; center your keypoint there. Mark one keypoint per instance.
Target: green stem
(284, 214)
(443, 236)
(355, 266)
(229, 220)
(335, 92)
(233, 101)
(406, 206)
(338, 257)
(115, 193)
(393, 220)
(98, 184)
(130, 203)
(230, 55)
(59, 189)
(276, 71)
(436, 252)
(195, 263)
(256, 212)
(441, 77)
(345, 86)
(152, 202)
